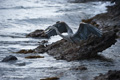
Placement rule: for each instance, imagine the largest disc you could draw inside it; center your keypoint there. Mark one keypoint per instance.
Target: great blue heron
(82, 33)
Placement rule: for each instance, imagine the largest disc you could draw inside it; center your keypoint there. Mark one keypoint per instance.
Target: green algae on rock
(23, 51)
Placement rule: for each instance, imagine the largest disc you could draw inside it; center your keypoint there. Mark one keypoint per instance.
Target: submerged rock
(47, 33)
(21, 64)
(23, 51)
(111, 75)
(37, 34)
(9, 58)
(79, 68)
(32, 57)
(52, 78)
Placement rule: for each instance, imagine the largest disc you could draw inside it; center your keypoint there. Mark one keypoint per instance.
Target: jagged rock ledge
(109, 20)
(87, 49)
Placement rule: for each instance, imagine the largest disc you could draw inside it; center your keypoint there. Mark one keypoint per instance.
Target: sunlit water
(20, 17)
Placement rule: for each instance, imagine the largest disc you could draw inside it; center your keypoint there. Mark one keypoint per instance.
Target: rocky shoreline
(108, 22)
(87, 49)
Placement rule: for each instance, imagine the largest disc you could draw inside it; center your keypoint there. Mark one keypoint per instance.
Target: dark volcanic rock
(49, 32)
(87, 49)
(108, 21)
(111, 75)
(40, 49)
(9, 58)
(37, 34)
(110, 18)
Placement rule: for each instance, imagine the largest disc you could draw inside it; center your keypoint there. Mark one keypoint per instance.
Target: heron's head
(82, 23)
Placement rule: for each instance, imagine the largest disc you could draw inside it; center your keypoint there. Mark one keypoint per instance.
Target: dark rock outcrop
(47, 33)
(37, 34)
(87, 49)
(40, 49)
(109, 20)
(9, 58)
(23, 51)
(111, 75)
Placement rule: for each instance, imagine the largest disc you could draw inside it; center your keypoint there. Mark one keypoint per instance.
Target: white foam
(101, 7)
(54, 39)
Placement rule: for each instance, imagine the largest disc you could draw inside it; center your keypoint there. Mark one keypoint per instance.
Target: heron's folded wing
(85, 30)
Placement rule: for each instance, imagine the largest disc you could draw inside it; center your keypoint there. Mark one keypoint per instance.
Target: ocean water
(20, 17)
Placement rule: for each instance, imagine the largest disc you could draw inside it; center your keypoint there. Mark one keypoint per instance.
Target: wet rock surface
(37, 34)
(110, 20)
(40, 49)
(87, 49)
(52, 78)
(9, 58)
(111, 75)
(32, 57)
(23, 51)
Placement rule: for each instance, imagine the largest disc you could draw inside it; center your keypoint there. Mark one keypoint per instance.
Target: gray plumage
(82, 33)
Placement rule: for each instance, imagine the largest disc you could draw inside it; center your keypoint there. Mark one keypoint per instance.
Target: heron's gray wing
(69, 30)
(64, 25)
(85, 30)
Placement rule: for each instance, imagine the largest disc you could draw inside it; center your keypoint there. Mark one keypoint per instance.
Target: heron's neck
(59, 32)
